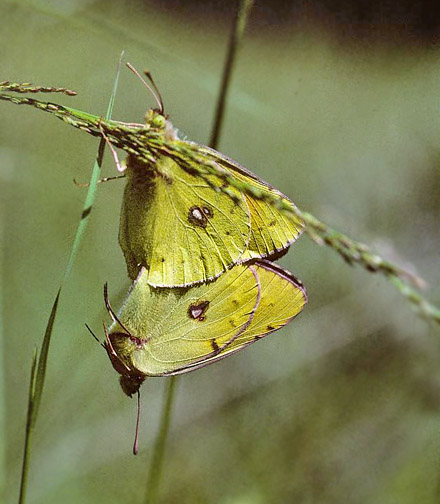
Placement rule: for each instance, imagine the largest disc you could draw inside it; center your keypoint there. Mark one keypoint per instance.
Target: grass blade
(29, 427)
(38, 373)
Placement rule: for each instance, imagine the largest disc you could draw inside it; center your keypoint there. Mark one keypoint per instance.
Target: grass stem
(155, 473)
(243, 10)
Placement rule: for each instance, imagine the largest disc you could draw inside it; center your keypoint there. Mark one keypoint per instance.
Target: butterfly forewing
(271, 230)
(282, 297)
(179, 227)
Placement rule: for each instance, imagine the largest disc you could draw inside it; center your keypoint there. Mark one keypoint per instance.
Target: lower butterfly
(164, 332)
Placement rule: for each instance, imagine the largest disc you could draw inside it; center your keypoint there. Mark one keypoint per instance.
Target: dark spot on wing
(197, 310)
(198, 216)
(163, 259)
(209, 212)
(228, 233)
(235, 302)
(270, 328)
(232, 322)
(272, 223)
(214, 345)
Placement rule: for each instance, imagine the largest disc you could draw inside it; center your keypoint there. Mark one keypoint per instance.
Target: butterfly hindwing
(179, 227)
(172, 331)
(282, 298)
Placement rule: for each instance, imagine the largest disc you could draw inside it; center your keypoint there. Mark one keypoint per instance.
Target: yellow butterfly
(170, 331)
(189, 213)
(185, 229)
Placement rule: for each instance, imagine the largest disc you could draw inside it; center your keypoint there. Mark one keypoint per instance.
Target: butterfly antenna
(150, 78)
(153, 90)
(111, 311)
(138, 417)
(94, 335)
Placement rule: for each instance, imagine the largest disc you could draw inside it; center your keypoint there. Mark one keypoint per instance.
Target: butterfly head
(119, 347)
(130, 384)
(155, 118)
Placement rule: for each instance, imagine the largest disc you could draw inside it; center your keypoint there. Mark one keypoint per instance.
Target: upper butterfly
(186, 229)
(183, 229)
(189, 213)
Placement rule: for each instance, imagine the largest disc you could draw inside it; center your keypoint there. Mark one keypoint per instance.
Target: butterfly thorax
(120, 350)
(143, 175)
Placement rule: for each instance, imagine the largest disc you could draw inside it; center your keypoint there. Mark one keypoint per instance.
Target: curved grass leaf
(38, 372)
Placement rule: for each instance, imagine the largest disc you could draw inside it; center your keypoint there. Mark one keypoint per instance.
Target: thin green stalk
(3, 384)
(354, 252)
(154, 476)
(39, 366)
(155, 472)
(243, 10)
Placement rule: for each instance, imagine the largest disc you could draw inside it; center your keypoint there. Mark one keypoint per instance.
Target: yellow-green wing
(174, 329)
(271, 230)
(174, 332)
(178, 227)
(282, 298)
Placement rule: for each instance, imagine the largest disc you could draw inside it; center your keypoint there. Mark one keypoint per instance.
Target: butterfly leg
(119, 166)
(105, 179)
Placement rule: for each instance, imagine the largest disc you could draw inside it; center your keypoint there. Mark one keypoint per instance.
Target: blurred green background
(342, 115)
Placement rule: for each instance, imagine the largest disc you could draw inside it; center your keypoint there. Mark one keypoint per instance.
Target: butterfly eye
(159, 121)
